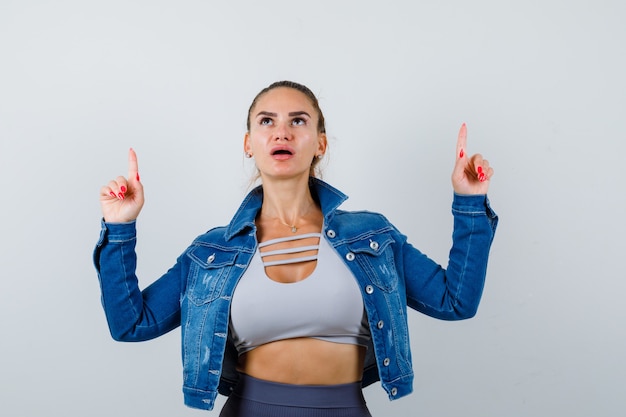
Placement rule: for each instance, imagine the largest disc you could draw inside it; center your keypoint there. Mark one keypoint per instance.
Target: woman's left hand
(471, 175)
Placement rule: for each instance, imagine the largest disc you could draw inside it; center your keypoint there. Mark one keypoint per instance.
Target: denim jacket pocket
(206, 276)
(374, 255)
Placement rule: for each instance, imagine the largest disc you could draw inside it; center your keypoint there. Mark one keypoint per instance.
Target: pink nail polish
(137, 177)
(461, 154)
(480, 170)
(113, 194)
(482, 177)
(120, 196)
(123, 189)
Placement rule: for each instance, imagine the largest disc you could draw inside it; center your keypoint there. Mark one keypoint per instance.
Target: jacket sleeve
(134, 315)
(455, 292)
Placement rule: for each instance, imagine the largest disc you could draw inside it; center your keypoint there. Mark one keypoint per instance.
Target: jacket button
(386, 362)
(350, 256)
(394, 391)
(374, 245)
(380, 324)
(210, 258)
(369, 289)
(331, 234)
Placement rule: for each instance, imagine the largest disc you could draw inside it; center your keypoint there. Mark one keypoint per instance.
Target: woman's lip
(282, 156)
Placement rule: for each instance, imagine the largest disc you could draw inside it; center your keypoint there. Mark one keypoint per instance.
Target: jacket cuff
(472, 204)
(117, 232)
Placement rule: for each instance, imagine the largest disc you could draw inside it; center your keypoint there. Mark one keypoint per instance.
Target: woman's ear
(247, 149)
(322, 144)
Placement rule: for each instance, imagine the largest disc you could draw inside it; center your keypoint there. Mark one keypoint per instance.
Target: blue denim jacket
(196, 292)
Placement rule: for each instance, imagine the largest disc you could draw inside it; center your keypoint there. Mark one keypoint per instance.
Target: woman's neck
(287, 200)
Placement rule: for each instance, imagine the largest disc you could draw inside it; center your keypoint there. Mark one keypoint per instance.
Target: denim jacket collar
(328, 197)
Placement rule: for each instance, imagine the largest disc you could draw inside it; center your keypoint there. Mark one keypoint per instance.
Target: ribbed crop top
(326, 305)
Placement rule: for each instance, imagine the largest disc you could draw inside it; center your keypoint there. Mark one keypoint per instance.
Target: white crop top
(326, 305)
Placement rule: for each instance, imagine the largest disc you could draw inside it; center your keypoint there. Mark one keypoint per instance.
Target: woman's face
(283, 136)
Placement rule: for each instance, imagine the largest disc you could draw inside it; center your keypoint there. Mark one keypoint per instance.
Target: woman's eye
(298, 121)
(266, 121)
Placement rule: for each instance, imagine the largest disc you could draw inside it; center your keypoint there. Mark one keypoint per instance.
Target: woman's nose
(282, 132)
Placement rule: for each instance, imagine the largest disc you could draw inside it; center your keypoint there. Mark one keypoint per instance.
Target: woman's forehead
(283, 98)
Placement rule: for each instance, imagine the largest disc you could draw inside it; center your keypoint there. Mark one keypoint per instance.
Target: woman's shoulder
(213, 236)
(359, 214)
(361, 221)
(222, 236)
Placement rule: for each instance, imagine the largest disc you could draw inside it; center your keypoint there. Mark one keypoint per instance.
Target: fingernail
(113, 194)
(120, 196)
(123, 189)
(137, 177)
(480, 170)
(461, 154)
(482, 177)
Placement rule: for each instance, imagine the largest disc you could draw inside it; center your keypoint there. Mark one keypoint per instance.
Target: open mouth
(282, 152)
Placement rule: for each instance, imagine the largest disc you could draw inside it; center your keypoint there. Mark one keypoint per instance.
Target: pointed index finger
(133, 167)
(461, 142)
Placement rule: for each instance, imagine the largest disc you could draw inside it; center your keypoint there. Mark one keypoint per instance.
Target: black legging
(253, 397)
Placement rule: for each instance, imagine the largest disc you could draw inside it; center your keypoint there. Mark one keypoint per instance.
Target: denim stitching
(464, 266)
(128, 291)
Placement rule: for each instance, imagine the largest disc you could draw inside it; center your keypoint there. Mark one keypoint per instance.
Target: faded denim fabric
(196, 292)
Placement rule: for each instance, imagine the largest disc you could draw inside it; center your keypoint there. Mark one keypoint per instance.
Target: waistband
(318, 396)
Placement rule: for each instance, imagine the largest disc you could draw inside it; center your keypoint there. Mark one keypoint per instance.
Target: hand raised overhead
(122, 198)
(471, 175)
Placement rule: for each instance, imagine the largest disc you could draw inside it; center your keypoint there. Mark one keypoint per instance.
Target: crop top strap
(288, 239)
(289, 251)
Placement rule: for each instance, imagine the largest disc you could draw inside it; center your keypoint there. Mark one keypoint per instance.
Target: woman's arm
(454, 293)
(132, 314)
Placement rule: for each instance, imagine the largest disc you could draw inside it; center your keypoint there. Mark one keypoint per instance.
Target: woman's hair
(321, 125)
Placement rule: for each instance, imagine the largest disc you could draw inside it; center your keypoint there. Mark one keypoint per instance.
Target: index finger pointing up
(133, 167)
(461, 142)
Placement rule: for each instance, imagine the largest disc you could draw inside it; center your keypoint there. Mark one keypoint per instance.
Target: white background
(541, 85)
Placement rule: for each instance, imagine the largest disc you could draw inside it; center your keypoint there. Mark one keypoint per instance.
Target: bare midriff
(305, 361)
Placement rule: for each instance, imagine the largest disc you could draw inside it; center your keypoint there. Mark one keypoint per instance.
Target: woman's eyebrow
(266, 113)
(299, 113)
(291, 114)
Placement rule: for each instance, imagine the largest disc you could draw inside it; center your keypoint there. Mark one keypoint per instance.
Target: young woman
(295, 305)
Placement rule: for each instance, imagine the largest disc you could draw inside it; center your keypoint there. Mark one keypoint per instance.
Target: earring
(320, 156)
(248, 155)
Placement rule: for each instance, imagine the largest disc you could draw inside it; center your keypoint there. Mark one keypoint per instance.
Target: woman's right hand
(122, 198)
